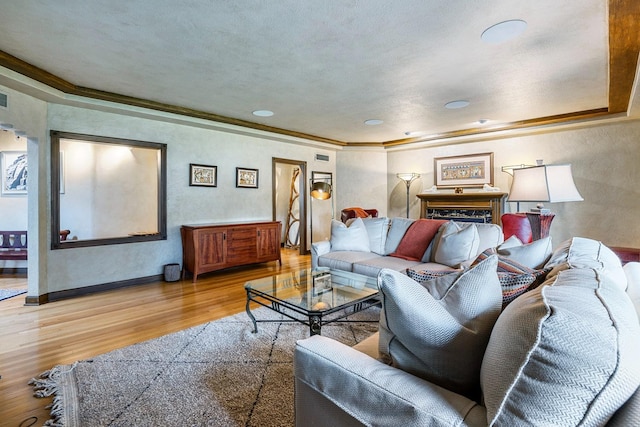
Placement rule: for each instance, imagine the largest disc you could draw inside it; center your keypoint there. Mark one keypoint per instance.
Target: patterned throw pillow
(424, 275)
(515, 278)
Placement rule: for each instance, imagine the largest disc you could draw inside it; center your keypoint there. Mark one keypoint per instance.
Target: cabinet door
(212, 248)
(269, 242)
(241, 245)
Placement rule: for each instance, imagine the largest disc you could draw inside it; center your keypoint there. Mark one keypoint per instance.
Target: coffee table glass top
(313, 296)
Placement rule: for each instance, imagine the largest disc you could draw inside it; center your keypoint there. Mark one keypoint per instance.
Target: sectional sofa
(449, 353)
(367, 245)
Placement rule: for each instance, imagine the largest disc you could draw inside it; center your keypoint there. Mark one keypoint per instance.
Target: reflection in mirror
(106, 190)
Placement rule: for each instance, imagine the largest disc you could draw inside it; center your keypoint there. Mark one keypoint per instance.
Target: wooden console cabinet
(470, 207)
(210, 247)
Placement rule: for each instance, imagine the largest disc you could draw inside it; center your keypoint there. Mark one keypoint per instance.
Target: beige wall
(606, 167)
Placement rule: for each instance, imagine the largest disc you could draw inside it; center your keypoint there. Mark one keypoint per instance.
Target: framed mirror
(106, 191)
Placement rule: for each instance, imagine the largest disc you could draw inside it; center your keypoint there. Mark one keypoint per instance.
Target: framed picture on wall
(472, 170)
(14, 172)
(203, 175)
(247, 178)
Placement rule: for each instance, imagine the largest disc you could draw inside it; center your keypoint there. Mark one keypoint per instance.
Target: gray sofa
(565, 353)
(367, 245)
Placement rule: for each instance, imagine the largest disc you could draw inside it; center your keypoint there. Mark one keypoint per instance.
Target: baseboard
(13, 270)
(87, 290)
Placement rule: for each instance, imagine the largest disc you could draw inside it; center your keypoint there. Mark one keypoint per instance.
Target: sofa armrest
(338, 385)
(317, 249)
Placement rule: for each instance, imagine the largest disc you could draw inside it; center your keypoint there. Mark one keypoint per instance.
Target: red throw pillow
(415, 241)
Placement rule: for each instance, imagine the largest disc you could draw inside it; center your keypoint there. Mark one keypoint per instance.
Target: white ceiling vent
(4, 100)
(322, 158)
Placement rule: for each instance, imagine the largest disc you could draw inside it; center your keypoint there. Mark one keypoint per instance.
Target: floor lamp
(543, 183)
(408, 178)
(321, 189)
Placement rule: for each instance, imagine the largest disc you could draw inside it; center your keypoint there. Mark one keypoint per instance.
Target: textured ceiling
(324, 67)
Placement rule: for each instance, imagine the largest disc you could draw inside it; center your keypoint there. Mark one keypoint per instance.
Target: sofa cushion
(351, 238)
(438, 331)
(397, 229)
(344, 260)
(372, 266)
(377, 230)
(456, 243)
(416, 239)
(567, 350)
(533, 255)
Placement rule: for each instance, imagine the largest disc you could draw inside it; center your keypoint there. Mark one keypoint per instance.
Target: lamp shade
(321, 190)
(546, 183)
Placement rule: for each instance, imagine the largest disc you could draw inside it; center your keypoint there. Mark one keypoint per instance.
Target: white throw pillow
(511, 242)
(439, 330)
(457, 243)
(352, 238)
(533, 255)
(377, 229)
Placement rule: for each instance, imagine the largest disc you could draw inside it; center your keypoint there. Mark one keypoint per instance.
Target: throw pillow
(565, 353)
(422, 276)
(457, 243)
(438, 331)
(377, 229)
(352, 238)
(397, 229)
(533, 255)
(417, 238)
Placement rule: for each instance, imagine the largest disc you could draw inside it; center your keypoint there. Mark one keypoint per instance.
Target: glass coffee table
(314, 297)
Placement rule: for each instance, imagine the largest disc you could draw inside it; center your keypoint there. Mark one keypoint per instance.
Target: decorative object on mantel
(408, 178)
(321, 189)
(490, 188)
(432, 189)
(458, 190)
(473, 170)
(543, 183)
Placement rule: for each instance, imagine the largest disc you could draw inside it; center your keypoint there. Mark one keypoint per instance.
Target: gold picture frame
(472, 170)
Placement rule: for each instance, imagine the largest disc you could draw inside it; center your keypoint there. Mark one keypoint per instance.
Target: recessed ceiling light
(415, 133)
(503, 31)
(373, 122)
(453, 105)
(263, 113)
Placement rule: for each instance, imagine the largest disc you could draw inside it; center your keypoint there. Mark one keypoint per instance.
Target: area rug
(8, 293)
(215, 374)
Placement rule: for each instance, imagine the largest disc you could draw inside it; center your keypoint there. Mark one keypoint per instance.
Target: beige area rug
(215, 374)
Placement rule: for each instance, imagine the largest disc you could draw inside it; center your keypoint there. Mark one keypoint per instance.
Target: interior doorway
(289, 202)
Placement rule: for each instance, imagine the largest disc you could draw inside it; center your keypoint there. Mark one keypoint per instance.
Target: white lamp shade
(547, 183)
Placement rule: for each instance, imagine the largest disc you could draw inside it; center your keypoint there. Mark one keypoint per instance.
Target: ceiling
(325, 67)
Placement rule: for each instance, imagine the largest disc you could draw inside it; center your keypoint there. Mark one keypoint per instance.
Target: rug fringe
(47, 385)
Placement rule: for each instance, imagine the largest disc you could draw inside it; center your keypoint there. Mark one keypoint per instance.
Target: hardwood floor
(36, 338)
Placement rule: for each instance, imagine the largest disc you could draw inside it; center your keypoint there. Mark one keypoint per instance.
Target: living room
(604, 152)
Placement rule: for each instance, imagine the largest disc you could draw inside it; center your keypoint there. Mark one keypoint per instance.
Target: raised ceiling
(325, 67)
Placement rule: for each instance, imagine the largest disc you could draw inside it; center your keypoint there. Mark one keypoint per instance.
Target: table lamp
(543, 183)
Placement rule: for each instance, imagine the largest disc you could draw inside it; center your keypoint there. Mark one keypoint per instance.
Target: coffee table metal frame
(315, 319)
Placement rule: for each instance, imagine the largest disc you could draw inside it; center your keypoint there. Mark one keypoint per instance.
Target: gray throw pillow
(439, 330)
(565, 353)
(533, 255)
(377, 229)
(398, 228)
